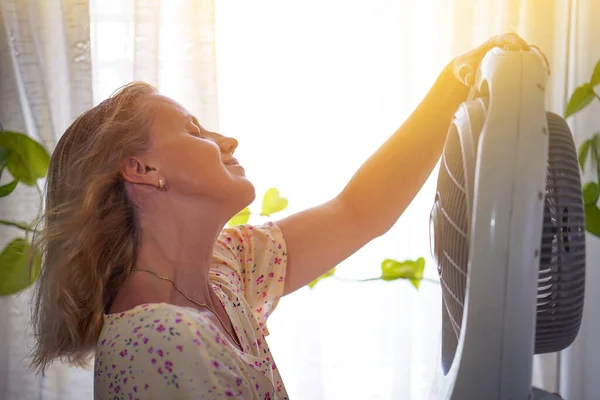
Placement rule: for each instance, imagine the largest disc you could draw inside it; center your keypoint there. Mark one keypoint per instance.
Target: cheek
(196, 164)
(192, 155)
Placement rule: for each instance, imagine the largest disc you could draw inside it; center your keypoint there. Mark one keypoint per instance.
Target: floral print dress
(163, 351)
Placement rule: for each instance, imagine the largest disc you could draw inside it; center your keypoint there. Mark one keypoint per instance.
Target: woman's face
(196, 162)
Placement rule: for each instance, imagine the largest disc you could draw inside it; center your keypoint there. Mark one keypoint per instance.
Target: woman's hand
(464, 67)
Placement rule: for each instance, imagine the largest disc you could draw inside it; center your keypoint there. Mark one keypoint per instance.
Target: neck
(177, 242)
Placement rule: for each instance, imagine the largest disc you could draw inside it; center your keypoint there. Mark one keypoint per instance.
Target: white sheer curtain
(169, 44)
(310, 89)
(45, 82)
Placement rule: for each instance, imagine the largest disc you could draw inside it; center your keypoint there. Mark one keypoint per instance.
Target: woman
(139, 269)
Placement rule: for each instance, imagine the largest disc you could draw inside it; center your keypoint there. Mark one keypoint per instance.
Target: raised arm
(383, 187)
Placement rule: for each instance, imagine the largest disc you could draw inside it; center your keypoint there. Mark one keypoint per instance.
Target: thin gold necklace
(193, 301)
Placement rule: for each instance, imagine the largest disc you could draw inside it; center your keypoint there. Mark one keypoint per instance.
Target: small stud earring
(161, 184)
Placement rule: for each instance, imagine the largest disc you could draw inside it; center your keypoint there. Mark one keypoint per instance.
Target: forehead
(166, 108)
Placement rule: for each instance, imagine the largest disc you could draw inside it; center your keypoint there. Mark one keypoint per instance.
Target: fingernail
(469, 79)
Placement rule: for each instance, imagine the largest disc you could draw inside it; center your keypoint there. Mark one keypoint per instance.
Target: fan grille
(561, 278)
(451, 241)
(562, 258)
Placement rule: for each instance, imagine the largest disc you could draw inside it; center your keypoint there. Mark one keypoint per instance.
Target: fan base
(538, 394)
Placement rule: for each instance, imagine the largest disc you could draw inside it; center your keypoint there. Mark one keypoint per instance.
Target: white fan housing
(495, 349)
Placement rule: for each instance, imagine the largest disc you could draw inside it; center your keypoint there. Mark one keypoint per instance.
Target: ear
(138, 170)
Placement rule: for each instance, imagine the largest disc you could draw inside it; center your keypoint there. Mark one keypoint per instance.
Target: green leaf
(272, 203)
(581, 97)
(595, 139)
(592, 220)
(596, 75)
(409, 269)
(240, 218)
(325, 275)
(7, 189)
(14, 267)
(591, 192)
(583, 153)
(27, 159)
(3, 159)
(3, 155)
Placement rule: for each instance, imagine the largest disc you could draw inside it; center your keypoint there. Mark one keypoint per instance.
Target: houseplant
(26, 161)
(589, 151)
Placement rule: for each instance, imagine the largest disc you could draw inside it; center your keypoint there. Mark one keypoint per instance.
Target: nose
(228, 144)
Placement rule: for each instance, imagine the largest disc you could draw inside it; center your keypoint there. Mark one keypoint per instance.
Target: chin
(239, 196)
(249, 194)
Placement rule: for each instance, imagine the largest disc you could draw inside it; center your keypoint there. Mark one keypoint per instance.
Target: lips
(231, 161)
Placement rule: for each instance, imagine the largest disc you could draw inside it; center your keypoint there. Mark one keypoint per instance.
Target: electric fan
(507, 234)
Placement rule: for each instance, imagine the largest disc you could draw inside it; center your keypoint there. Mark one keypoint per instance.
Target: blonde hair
(89, 237)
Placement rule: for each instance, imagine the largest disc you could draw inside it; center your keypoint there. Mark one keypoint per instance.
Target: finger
(541, 53)
(465, 74)
(510, 41)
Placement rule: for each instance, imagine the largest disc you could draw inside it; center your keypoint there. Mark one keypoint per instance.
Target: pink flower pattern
(159, 350)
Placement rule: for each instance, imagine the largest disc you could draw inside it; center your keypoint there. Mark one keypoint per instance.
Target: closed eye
(194, 128)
